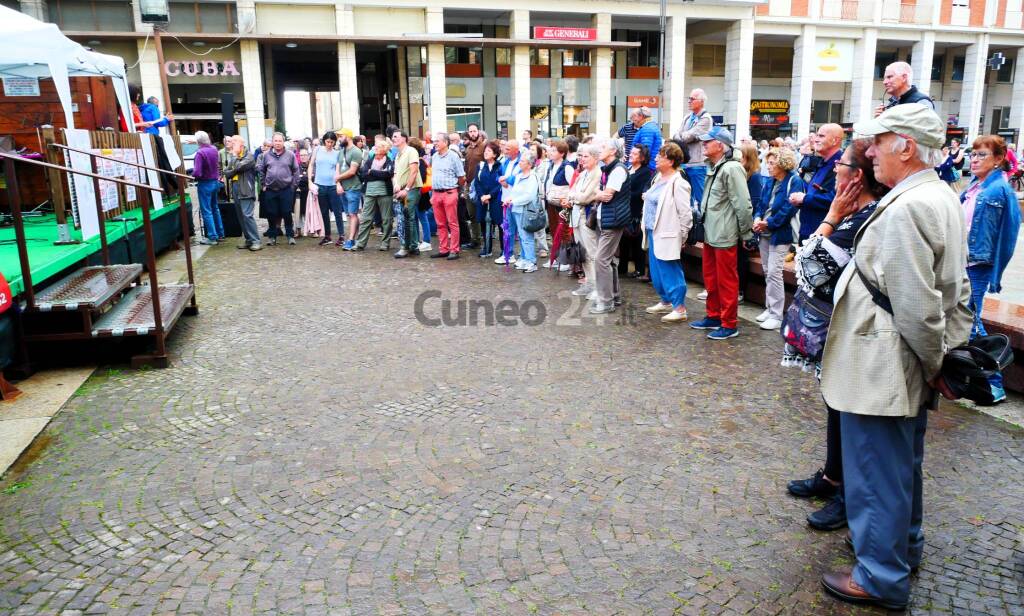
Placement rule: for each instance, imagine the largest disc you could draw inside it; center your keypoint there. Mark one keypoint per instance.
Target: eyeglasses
(981, 155)
(847, 165)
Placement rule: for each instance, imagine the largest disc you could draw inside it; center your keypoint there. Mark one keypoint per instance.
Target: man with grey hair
(899, 305)
(697, 124)
(628, 130)
(613, 213)
(206, 171)
(280, 174)
(448, 176)
(240, 173)
(897, 85)
(647, 135)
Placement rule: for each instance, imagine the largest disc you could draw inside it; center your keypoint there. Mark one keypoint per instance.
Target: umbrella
(508, 241)
(399, 216)
(556, 240)
(314, 223)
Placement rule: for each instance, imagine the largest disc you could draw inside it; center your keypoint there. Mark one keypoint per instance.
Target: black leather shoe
(439, 255)
(813, 486)
(830, 517)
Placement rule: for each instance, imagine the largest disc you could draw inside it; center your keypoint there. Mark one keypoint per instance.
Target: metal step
(133, 315)
(90, 288)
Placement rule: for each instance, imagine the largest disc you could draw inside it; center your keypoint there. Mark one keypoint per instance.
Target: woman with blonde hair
(666, 221)
(773, 217)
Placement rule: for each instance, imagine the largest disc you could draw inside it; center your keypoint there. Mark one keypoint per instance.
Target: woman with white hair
(582, 194)
(612, 216)
(525, 193)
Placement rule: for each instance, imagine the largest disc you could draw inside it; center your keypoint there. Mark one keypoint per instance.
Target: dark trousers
(277, 205)
(882, 459)
(631, 250)
(463, 213)
(833, 446)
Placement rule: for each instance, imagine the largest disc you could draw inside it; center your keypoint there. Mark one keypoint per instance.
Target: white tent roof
(36, 49)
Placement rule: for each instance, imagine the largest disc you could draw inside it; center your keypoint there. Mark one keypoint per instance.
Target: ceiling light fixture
(291, 45)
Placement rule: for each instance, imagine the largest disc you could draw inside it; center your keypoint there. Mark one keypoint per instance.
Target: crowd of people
(893, 254)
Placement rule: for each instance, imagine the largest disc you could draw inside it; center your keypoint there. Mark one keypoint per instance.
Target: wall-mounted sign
(562, 33)
(769, 112)
(205, 68)
(833, 60)
(21, 86)
(455, 90)
(641, 101)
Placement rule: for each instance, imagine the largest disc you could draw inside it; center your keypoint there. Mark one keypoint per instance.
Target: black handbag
(966, 368)
(805, 325)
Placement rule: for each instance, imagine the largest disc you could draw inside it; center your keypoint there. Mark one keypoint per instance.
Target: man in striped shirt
(628, 132)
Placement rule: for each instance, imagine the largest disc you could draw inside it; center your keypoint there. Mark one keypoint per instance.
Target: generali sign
(205, 68)
(562, 33)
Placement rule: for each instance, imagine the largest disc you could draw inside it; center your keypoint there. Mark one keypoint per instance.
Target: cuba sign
(205, 68)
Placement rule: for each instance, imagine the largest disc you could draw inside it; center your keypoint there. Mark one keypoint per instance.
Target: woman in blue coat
(773, 216)
(992, 216)
(487, 193)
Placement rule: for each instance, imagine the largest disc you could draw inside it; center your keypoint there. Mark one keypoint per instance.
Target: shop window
(540, 57)
(709, 61)
(462, 55)
(938, 66)
(648, 53)
(882, 60)
(503, 55)
(773, 62)
(87, 15)
(1000, 118)
(1005, 73)
(576, 57)
(825, 112)
(959, 62)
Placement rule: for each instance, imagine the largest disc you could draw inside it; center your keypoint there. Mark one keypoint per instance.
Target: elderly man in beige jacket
(899, 306)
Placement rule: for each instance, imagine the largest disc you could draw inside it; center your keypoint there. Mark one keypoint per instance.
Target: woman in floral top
(819, 263)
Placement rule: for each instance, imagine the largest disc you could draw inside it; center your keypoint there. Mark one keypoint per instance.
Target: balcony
(846, 10)
(904, 12)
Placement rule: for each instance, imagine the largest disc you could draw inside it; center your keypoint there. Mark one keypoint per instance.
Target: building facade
(779, 67)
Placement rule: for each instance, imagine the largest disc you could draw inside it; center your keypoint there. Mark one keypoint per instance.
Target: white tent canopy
(33, 48)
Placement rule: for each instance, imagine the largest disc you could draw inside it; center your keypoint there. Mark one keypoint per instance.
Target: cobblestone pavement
(317, 450)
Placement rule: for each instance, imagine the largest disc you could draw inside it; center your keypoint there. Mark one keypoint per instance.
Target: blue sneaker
(724, 332)
(348, 245)
(998, 394)
(706, 323)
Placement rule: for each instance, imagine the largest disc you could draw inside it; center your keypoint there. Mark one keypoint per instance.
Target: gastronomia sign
(204, 68)
(769, 112)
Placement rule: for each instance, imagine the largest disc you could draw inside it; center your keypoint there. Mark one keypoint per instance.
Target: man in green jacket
(727, 214)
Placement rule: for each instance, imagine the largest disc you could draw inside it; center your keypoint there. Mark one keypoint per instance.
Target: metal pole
(19, 230)
(158, 44)
(661, 64)
(158, 319)
(99, 211)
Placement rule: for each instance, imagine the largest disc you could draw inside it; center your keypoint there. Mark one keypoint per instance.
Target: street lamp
(158, 14)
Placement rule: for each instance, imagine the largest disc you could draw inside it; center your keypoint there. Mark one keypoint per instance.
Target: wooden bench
(998, 316)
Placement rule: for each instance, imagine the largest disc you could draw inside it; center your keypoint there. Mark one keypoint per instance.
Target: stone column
(435, 72)
(519, 29)
(149, 71)
(601, 79)
(862, 106)
(800, 97)
(922, 55)
(252, 90)
(739, 67)
(405, 117)
(556, 114)
(490, 102)
(674, 104)
(37, 9)
(972, 95)
(1017, 111)
(347, 75)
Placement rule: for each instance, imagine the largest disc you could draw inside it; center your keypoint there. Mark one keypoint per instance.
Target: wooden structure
(107, 300)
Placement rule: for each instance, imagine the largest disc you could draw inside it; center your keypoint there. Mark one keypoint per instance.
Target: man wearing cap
(899, 306)
(647, 134)
(897, 85)
(821, 190)
(727, 216)
(698, 123)
(352, 197)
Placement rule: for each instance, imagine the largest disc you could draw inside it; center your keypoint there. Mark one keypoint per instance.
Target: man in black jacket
(897, 86)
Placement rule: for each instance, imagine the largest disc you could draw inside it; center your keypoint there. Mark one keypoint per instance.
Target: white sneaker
(592, 296)
(521, 264)
(565, 267)
(703, 295)
(659, 308)
(501, 260)
(771, 324)
(675, 316)
(547, 265)
(583, 290)
(529, 269)
(764, 315)
(425, 247)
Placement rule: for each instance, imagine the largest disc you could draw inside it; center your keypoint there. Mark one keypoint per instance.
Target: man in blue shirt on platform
(821, 190)
(151, 113)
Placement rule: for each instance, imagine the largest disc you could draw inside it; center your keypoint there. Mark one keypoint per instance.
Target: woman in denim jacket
(992, 216)
(773, 216)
